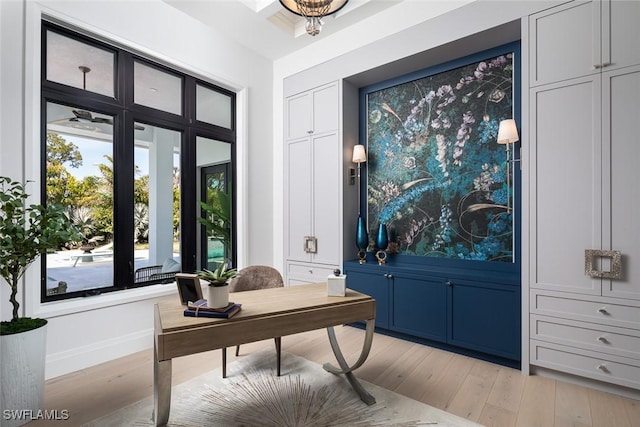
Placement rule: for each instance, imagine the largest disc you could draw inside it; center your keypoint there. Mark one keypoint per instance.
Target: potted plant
(25, 233)
(218, 279)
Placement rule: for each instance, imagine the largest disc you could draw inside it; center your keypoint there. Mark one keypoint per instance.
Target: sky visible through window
(93, 152)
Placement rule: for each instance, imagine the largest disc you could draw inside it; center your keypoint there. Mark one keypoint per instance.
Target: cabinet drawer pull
(449, 283)
(602, 367)
(603, 340)
(603, 310)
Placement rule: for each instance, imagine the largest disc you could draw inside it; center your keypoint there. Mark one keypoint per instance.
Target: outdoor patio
(84, 272)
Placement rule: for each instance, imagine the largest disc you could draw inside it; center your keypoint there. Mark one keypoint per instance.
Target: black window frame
(125, 113)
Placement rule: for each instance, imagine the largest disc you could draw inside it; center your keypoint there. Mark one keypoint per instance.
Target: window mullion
(123, 171)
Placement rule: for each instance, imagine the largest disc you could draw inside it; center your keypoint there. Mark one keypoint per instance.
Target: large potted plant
(25, 233)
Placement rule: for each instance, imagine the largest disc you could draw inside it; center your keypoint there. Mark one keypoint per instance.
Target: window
(126, 143)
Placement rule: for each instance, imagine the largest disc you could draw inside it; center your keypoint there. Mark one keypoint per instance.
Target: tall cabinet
(313, 185)
(584, 316)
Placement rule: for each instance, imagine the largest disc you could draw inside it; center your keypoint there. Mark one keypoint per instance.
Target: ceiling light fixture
(313, 11)
(84, 70)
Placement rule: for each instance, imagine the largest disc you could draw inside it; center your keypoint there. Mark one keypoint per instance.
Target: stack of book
(201, 309)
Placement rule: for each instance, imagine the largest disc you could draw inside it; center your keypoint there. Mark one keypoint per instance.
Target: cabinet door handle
(616, 264)
(310, 244)
(309, 132)
(448, 283)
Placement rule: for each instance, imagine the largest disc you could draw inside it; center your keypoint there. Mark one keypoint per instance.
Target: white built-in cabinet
(313, 185)
(584, 111)
(581, 38)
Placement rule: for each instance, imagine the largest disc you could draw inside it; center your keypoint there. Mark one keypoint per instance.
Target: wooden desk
(266, 313)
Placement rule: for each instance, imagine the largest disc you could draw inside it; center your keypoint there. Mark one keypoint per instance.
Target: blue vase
(362, 239)
(382, 239)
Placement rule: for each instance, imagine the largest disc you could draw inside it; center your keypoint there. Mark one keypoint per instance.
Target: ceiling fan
(86, 116)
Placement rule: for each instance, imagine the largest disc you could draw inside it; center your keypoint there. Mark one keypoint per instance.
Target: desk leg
(345, 369)
(161, 389)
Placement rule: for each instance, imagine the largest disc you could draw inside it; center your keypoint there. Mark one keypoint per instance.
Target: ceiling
(266, 27)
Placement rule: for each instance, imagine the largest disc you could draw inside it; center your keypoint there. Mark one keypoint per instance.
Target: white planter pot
(22, 374)
(218, 296)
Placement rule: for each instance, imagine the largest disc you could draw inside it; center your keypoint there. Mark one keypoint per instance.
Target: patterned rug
(305, 395)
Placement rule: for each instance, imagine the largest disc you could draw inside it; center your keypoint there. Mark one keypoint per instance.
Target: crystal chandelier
(313, 11)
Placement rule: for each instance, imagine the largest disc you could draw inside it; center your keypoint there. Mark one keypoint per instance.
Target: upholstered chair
(252, 278)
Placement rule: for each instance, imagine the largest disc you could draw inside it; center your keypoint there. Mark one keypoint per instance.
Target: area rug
(304, 395)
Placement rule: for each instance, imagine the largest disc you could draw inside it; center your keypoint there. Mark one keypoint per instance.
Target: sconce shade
(359, 155)
(507, 133)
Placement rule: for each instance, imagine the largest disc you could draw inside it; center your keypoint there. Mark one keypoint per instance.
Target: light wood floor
(489, 394)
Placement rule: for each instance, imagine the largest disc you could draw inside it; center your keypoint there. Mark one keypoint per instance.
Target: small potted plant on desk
(218, 295)
(25, 233)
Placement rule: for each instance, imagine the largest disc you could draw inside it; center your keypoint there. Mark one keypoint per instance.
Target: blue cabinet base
(460, 310)
(510, 363)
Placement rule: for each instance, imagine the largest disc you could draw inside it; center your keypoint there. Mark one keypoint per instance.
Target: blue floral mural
(436, 175)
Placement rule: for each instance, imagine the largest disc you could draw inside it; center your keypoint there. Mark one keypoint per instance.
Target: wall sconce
(507, 135)
(362, 238)
(508, 132)
(352, 176)
(359, 156)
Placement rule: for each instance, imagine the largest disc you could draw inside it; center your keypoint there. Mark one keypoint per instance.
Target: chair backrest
(256, 277)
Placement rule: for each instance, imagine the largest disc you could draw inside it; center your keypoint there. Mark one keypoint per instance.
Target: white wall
(87, 331)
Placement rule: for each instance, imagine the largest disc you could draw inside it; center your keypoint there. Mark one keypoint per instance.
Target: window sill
(77, 305)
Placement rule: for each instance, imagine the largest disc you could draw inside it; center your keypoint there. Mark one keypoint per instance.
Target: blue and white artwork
(436, 176)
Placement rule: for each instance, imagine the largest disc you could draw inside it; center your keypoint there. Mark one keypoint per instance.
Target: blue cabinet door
(376, 285)
(419, 307)
(485, 317)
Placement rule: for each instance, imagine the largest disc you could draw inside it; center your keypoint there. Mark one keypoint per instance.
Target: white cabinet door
(298, 198)
(565, 140)
(565, 42)
(299, 116)
(325, 109)
(327, 199)
(621, 176)
(621, 33)
(584, 37)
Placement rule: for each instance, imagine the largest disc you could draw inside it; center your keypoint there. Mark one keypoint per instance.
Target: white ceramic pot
(218, 296)
(22, 373)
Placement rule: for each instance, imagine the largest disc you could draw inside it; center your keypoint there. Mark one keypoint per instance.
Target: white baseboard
(78, 358)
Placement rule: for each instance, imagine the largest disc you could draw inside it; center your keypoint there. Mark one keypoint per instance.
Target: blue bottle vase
(382, 239)
(362, 239)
